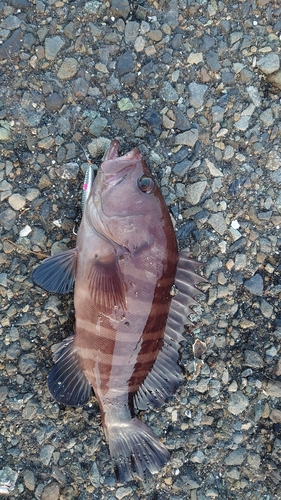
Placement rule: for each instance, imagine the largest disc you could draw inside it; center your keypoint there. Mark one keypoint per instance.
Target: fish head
(125, 204)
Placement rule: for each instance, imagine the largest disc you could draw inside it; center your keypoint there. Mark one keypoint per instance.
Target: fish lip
(116, 169)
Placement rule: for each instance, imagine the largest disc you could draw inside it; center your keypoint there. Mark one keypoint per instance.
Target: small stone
(254, 285)
(275, 79)
(236, 457)
(44, 182)
(5, 133)
(69, 170)
(46, 453)
(273, 389)
(168, 93)
(267, 117)
(3, 393)
(195, 58)
(188, 138)
(98, 146)
(51, 491)
(46, 142)
(253, 359)
(12, 45)
(10, 23)
(25, 231)
(97, 126)
(29, 480)
(120, 8)
(152, 117)
(123, 492)
(197, 92)
(7, 218)
(269, 64)
(214, 171)
(125, 63)
(54, 102)
(125, 104)
(8, 479)
(53, 46)
(27, 363)
(243, 123)
(16, 201)
(254, 95)
(131, 31)
(181, 168)
(217, 114)
(238, 402)
(68, 68)
(197, 457)
(195, 191)
(273, 160)
(266, 308)
(275, 416)
(218, 223)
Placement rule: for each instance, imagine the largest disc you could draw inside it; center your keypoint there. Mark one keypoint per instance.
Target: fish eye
(146, 184)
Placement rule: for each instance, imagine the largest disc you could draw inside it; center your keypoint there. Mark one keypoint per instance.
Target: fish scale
(128, 323)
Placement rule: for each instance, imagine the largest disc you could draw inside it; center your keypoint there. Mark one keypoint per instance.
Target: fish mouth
(114, 168)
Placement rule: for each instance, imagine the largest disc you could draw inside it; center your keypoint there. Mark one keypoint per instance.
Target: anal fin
(67, 382)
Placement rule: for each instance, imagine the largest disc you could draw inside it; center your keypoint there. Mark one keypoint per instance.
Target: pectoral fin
(56, 274)
(106, 285)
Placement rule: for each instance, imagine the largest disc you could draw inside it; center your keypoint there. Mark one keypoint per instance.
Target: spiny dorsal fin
(166, 374)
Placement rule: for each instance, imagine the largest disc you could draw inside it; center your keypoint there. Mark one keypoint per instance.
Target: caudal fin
(135, 450)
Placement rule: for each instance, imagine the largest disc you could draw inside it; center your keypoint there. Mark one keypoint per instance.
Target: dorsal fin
(166, 373)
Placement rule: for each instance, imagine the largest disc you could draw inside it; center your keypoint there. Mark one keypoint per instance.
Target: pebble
(255, 284)
(51, 491)
(53, 46)
(8, 479)
(5, 131)
(218, 223)
(54, 102)
(197, 92)
(125, 63)
(123, 492)
(120, 8)
(236, 457)
(168, 93)
(188, 138)
(275, 79)
(273, 389)
(238, 402)
(195, 191)
(29, 480)
(68, 68)
(16, 201)
(46, 453)
(27, 363)
(269, 64)
(253, 359)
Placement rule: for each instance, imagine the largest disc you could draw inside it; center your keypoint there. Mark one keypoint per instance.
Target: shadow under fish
(132, 297)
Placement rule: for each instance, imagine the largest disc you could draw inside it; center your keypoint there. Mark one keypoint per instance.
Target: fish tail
(135, 450)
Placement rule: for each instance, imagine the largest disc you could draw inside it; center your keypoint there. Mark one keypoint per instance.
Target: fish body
(127, 324)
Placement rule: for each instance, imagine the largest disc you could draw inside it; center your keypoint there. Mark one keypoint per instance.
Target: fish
(133, 294)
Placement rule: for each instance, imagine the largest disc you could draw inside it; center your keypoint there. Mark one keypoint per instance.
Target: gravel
(196, 85)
